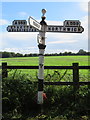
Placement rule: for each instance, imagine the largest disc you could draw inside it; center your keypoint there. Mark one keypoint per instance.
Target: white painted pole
(41, 47)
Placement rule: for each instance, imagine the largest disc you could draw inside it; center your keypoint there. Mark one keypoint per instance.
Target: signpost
(41, 46)
(34, 23)
(69, 26)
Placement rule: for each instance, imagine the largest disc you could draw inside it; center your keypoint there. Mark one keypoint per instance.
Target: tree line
(12, 54)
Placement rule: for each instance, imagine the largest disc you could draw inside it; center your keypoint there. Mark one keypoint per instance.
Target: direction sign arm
(34, 23)
(65, 29)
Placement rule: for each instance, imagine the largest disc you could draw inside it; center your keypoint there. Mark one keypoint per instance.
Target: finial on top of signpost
(43, 12)
(43, 17)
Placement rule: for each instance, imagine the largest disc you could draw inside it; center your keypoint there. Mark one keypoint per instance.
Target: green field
(49, 61)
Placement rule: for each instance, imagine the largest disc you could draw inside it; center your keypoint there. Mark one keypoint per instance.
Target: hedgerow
(19, 100)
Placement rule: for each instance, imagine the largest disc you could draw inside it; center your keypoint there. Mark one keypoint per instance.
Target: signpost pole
(41, 47)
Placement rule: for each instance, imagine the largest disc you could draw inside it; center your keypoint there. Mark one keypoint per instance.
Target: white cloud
(4, 22)
(54, 22)
(23, 14)
(17, 40)
(60, 50)
(84, 23)
(60, 42)
(19, 36)
(25, 50)
(84, 5)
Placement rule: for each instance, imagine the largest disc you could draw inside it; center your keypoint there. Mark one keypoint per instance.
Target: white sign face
(64, 29)
(23, 28)
(61, 29)
(34, 23)
(40, 97)
(72, 23)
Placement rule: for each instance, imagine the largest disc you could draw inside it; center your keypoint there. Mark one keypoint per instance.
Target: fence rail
(45, 67)
(75, 69)
(66, 83)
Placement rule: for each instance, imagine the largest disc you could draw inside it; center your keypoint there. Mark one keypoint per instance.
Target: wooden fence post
(4, 70)
(88, 78)
(75, 76)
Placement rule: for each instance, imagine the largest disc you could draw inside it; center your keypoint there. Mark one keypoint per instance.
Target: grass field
(49, 61)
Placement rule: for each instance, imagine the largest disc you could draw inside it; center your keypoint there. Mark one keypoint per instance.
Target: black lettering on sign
(56, 28)
(68, 29)
(53, 28)
(10, 30)
(71, 23)
(49, 28)
(67, 23)
(72, 30)
(75, 29)
(60, 28)
(64, 29)
(15, 22)
(36, 24)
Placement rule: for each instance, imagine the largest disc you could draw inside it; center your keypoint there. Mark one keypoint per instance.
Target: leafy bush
(18, 96)
(63, 101)
(19, 100)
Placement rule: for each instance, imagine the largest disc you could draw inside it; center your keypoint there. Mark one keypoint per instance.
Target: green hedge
(19, 100)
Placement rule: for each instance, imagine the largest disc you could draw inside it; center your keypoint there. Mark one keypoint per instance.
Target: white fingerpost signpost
(41, 46)
(42, 27)
(69, 26)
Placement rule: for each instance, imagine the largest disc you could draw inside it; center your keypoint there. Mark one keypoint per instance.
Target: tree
(26, 55)
(12, 54)
(6, 54)
(65, 53)
(18, 55)
(82, 52)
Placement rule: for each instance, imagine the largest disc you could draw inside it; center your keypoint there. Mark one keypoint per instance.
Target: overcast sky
(57, 13)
